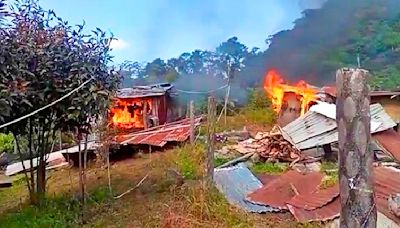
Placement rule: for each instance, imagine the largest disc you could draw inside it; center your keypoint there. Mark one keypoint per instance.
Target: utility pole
(210, 141)
(192, 127)
(358, 207)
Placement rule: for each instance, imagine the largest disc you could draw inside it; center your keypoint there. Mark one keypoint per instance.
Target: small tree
(42, 58)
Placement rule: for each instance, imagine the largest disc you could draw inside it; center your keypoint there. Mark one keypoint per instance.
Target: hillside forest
(341, 33)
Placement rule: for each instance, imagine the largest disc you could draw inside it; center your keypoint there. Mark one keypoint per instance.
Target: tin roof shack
(390, 101)
(143, 107)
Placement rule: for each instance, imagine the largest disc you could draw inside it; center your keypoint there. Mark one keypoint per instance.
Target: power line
(47, 106)
(201, 92)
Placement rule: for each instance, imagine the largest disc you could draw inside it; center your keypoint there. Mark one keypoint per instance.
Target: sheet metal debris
(235, 183)
(144, 91)
(316, 199)
(328, 212)
(53, 159)
(389, 141)
(159, 136)
(285, 187)
(387, 183)
(317, 128)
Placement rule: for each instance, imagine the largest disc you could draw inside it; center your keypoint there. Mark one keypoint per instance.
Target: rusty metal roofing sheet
(315, 129)
(387, 182)
(161, 135)
(328, 212)
(235, 183)
(316, 199)
(390, 141)
(283, 188)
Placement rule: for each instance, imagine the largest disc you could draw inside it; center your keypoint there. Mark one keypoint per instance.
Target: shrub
(6, 143)
(258, 99)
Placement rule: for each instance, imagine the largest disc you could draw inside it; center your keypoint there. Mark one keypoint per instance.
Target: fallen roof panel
(159, 136)
(328, 212)
(317, 128)
(390, 141)
(283, 188)
(387, 183)
(235, 183)
(316, 199)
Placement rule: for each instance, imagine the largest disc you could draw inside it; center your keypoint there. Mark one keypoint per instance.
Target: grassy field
(160, 201)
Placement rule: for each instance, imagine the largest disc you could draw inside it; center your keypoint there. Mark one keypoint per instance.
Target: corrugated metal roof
(283, 188)
(144, 91)
(316, 199)
(387, 183)
(379, 114)
(389, 140)
(159, 136)
(328, 212)
(315, 129)
(53, 159)
(235, 183)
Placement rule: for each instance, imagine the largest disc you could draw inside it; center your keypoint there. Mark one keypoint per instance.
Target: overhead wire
(46, 106)
(202, 92)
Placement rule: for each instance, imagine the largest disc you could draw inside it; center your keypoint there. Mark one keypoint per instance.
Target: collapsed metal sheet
(235, 183)
(159, 136)
(387, 183)
(316, 199)
(328, 212)
(389, 141)
(285, 187)
(317, 129)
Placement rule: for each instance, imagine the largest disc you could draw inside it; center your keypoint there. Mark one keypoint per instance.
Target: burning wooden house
(289, 101)
(142, 107)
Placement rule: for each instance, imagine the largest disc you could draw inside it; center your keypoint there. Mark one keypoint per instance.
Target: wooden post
(192, 127)
(358, 207)
(210, 141)
(188, 110)
(226, 102)
(145, 122)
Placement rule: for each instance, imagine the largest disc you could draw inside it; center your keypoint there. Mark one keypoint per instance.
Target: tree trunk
(85, 164)
(81, 185)
(210, 141)
(41, 168)
(358, 207)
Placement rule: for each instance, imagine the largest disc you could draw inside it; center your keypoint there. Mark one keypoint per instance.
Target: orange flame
(123, 117)
(276, 89)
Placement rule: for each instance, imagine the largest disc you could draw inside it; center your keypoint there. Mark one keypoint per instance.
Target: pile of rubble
(269, 146)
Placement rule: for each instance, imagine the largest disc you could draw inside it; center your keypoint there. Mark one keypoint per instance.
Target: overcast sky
(148, 29)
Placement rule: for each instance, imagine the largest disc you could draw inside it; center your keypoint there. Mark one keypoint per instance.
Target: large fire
(129, 113)
(276, 88)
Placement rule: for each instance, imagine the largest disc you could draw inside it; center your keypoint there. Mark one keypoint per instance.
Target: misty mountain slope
(331, 37)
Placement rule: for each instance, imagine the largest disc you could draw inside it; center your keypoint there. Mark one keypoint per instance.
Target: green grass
(189, 159)
(331, 171)
(61, 211)
(269, 168)
(220, 161)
